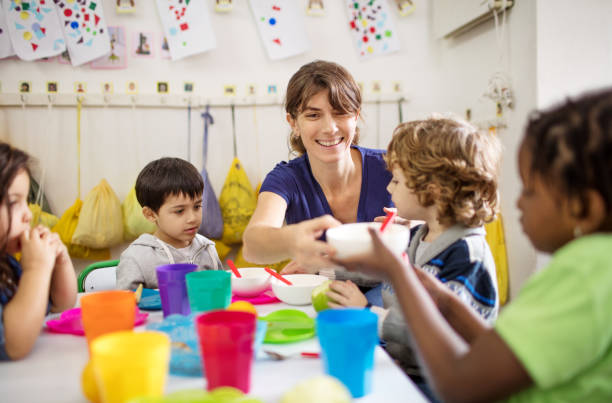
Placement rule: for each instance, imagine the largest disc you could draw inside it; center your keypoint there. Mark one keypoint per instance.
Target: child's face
(545, 216)
(20, 214)
(405, 199)
(178, 220)
(326, 133)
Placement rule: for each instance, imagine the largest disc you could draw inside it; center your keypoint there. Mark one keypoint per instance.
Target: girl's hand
(307, 251)
(396, 220)
(38, 250)
(345, 293)
(381, 261)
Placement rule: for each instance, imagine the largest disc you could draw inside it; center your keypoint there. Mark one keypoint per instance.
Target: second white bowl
(300, 293)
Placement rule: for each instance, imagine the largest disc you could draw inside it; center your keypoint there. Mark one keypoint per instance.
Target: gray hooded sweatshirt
(138, 262)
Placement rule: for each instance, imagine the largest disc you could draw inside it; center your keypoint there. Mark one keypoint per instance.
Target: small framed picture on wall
(142, 44)
(132, 87)
(51, 87)
(107, 88)
(162, 87)
(25, 87)
(80, 87)
(188, 86)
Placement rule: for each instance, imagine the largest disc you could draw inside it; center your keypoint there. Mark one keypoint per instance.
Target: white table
(52, 371)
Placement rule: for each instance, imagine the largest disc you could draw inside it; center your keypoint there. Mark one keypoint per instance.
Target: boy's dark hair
(309, 80)
(164, 177)
(12, 161)
(571, 147)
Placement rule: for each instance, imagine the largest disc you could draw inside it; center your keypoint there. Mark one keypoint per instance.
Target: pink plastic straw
(278, 276)
(232, 266)
(390, 216)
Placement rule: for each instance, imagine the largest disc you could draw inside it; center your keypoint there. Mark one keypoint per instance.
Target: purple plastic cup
(172, 287)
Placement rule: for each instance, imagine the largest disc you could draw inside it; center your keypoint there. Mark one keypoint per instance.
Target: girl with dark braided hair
(43, 279)
(553, 342)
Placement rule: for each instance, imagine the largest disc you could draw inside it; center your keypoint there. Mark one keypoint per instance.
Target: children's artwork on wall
(34, 29)
(281, 27)
(117, 58)
(186, 26)
(164, 50)
(85, 29)
(142, 44)
(64, 57)
(125, 6)
(372, 28)
(188, 86)
(6, 49)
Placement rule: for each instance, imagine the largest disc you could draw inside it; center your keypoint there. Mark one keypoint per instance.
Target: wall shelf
(157, 100)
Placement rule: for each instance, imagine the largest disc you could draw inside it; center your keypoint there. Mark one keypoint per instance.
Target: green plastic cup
(209, 290)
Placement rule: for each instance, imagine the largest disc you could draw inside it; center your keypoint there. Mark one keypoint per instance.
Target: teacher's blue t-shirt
(294, 182)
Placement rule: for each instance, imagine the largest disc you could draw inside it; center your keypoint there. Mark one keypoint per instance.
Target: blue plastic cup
(172, 288)
(348, 338)
(260, 335)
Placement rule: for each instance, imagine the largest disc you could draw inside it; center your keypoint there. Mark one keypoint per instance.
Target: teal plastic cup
(209, 290)
(348, 338)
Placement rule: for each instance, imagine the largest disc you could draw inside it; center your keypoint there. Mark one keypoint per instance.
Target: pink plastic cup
(226, 342)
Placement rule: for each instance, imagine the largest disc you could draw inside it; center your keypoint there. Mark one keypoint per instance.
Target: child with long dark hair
(43, 279)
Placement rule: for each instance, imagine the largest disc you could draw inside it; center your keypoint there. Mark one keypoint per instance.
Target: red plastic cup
(226, 342)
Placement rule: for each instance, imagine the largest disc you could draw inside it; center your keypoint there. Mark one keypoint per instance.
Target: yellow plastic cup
(107, 311)
(130, 364)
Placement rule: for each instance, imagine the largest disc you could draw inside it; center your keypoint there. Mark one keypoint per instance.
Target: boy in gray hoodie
(170, 193)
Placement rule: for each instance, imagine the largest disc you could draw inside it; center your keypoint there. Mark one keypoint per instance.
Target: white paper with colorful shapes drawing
(372, 27)
(281, 27)
(186, 26)
(34, 29)
(85, 29)
(6, 49)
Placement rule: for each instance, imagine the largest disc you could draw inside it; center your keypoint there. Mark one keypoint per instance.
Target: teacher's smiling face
(326, 133)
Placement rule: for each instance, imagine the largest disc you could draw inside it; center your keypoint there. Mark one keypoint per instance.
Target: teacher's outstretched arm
(267, 240)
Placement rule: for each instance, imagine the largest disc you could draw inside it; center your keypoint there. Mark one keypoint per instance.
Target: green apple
(319, 296)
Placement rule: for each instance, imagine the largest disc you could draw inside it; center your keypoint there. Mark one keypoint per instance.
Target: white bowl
(354, 239)
(254, 281)
(300, 293)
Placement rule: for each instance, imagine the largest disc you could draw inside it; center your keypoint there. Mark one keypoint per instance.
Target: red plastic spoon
(390, 216)
(232, 266)
(278, 276)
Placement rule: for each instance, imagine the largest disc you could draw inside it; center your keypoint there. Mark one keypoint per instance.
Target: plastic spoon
(278, 276)
(390, 216)
(138, 293)
(232, 266)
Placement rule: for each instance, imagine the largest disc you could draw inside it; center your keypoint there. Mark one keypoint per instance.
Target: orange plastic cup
(107, 311)
(130, 364)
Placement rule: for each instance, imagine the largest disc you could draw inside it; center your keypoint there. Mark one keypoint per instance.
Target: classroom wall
(442, 75)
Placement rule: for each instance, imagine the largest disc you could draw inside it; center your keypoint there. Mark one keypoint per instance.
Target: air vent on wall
(455, 17)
